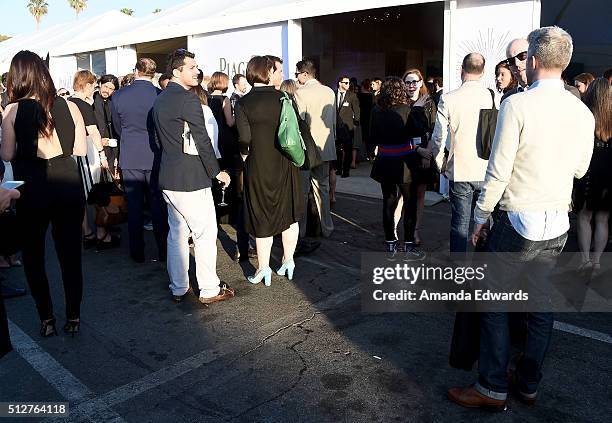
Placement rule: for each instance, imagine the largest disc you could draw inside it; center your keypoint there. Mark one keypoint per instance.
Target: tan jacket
(316, 104)
(458, 115)
(543, 140)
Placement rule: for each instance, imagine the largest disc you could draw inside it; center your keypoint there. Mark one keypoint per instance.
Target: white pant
(192, 212)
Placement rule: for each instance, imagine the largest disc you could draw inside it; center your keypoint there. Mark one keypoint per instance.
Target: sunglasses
(511, 61)
(298, 74)
(345, 82)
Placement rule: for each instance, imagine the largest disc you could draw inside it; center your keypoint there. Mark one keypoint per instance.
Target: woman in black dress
(40, 133)
(424, 115)
(272, 193)
(84, 84)
(396, 163)
(593, 194)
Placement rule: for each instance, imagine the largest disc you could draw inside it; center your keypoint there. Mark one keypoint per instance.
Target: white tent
(53, 39)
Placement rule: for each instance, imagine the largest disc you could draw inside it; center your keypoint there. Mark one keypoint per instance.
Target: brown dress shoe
(225, 294)
(179, 298)
(471, 398)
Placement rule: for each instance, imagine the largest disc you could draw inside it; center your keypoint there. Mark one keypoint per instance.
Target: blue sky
(16, 18)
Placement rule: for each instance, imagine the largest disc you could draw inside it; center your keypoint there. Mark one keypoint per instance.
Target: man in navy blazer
(139, 158)
(185, 177)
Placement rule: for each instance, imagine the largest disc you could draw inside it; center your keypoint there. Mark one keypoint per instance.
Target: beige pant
(318, 178)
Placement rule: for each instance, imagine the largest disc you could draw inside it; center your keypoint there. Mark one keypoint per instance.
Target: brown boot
(471, 398)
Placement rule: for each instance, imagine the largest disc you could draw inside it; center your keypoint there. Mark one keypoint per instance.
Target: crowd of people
(187, 156)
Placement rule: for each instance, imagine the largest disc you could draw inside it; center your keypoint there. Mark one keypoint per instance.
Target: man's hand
(224, 178)
(6, 196)
(105, 142)
(424, 153)
(476, 234)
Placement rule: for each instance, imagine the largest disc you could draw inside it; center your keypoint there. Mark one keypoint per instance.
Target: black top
(272, 192)
(228, 145)
(103, 115)
(180, 171)
(27, 133)
(86, 109)
(392, 130)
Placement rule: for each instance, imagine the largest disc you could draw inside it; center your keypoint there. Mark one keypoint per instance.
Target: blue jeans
(461, 198)
(494, 327)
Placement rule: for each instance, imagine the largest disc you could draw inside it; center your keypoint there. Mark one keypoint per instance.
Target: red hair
(414, 71)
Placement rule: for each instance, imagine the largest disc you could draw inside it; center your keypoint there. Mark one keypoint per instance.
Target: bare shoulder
(10, 110)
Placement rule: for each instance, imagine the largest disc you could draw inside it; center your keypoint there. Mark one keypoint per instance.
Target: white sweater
(543, 140)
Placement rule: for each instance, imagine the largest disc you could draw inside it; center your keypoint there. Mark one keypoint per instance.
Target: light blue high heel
(289, 267)
(265, 274)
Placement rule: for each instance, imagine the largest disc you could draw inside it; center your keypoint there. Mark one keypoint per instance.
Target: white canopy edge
(204, 16)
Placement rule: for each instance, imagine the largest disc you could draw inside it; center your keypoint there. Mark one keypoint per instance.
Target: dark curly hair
(392, 92)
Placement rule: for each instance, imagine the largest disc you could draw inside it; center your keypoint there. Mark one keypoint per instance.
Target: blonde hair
(81, 79)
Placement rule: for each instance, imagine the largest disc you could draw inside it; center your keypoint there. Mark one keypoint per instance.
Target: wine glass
(222, 203)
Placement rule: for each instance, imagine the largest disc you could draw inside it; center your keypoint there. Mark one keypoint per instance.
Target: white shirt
(212, 128)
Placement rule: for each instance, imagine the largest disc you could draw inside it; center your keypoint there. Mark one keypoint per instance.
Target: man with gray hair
(516, 54)
(543, 140)
(457, 117)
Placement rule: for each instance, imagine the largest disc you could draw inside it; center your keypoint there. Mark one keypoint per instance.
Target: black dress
(424, 118)
(272, 192)
(594, 190)
(52, 194)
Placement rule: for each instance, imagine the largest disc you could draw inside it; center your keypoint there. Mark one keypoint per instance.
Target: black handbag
(487, 121)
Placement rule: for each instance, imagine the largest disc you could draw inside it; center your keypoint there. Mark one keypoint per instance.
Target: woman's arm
(7, 148)
(227, 110)
(244, 131)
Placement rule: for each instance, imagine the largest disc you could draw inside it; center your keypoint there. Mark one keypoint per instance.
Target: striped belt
(396, 150)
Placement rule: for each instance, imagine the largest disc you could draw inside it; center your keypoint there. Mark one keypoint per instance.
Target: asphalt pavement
(300, 351)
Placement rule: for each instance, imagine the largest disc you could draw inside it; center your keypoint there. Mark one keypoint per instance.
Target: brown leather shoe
(471, 398)
(225, 294)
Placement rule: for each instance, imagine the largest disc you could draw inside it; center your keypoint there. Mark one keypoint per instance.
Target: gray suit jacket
(317, 106)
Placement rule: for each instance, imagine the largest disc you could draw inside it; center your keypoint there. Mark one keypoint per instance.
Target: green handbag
(289, 136)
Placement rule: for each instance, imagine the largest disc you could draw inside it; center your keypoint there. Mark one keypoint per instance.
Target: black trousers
(344, 154)
(391, 193)
(111, 153)
(138, 185)
(53, 194)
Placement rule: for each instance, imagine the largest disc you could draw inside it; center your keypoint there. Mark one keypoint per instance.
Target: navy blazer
(180, 171)
(132, 119)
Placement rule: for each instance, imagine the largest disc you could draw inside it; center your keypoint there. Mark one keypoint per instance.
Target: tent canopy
(204, 16)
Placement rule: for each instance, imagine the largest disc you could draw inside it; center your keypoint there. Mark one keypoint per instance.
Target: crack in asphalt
(300, 373)
(273, 334)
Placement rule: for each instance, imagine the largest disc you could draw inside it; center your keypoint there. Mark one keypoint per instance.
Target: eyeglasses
(298, 74)
(413, 82)
(522, 56)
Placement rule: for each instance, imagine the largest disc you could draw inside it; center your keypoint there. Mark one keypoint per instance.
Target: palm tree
(38, 8)
(78, 6)
(157, 10)
(127, 11)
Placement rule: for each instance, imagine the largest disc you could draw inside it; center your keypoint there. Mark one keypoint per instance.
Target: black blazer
(103, 113)
(348, 114)
(179, 171)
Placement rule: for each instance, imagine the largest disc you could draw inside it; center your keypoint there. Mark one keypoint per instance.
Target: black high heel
(72, 326)
(47, 328)
(88, 241)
